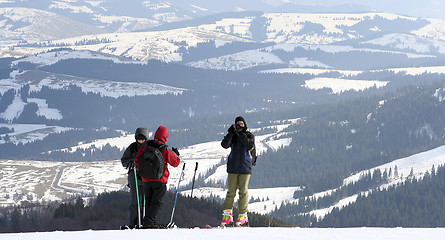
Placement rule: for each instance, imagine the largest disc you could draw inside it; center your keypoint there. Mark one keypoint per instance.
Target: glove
(231, 129)
(175, 150)
(131, 165)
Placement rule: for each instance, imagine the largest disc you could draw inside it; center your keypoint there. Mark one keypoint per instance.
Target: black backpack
(151, 161)
(252, 153)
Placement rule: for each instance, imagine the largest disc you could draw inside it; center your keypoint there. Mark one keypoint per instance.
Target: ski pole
(137, 196)
(171, 224)
(191, 195)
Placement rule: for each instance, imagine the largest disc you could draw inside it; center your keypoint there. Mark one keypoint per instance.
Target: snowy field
(241, 233)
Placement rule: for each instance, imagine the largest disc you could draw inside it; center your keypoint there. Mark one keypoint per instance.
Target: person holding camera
(239, 168)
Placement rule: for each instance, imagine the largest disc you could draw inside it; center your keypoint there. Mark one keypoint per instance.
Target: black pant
(154, 192)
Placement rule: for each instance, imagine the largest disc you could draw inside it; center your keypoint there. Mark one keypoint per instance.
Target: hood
(141, 131)
(161, 134)
(239, 118)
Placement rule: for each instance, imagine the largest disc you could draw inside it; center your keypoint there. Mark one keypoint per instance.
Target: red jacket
(161, 136)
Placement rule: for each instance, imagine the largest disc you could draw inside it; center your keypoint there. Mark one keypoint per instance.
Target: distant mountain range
(53, 52)
(118, 16)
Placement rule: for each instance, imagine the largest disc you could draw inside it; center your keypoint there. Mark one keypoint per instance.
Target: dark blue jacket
(239, 160)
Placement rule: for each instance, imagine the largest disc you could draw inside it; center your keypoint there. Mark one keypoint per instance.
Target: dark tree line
(109, 211)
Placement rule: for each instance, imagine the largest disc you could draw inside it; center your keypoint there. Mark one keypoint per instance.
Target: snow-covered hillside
(25, 133)
(139, 46)
(298, 43)
(295, 28)
(46, 181)
(26, 25)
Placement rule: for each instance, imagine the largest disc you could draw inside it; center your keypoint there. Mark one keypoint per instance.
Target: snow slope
(241, 233)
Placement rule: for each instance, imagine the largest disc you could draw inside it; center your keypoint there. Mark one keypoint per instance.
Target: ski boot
(153, 226)
(242, 220)
(125, 227)
(227, 218)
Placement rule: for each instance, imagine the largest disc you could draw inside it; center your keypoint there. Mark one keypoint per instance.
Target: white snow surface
(410, 42)
(240, 233)
(237, 26)
(416, 70)
(314, 71)
(14, 110)
(338, 85)
(239, 61)
(45, 59)
(25, 133)
(44, 110)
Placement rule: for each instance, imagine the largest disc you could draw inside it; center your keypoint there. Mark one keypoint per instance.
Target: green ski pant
(241, 182)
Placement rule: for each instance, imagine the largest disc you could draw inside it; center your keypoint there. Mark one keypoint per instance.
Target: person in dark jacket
(128, 161)
(155, 189)
(239, 169)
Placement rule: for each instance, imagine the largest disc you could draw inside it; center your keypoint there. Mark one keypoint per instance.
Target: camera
(238, 127)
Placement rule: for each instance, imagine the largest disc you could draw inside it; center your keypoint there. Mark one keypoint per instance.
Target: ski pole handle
(196, 168)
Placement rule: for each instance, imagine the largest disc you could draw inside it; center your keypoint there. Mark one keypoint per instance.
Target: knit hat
(141, 131)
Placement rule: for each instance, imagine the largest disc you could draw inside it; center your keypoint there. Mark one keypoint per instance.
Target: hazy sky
(422, 8)
(415, 8)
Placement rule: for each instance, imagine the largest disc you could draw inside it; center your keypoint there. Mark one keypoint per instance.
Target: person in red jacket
(155, 189)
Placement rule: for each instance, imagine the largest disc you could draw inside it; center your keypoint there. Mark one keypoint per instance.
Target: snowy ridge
(46, 59)
(238, 61)
(36, 25)
(282, 28)
(139, 46)
(265, 56)
(410, 42)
